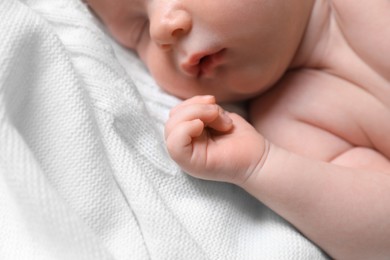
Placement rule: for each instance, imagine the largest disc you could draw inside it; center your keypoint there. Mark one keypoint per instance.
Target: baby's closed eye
(129, 32)
(126, 20)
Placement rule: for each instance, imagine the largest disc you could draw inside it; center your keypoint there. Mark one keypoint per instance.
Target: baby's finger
(179, 141)
(205, 112)
(192, 101)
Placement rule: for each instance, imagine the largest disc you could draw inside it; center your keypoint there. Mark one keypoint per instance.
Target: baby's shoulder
(318, 114)
(339, 99)
(365, 27)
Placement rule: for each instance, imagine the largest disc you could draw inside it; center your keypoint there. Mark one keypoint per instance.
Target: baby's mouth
(203, 65)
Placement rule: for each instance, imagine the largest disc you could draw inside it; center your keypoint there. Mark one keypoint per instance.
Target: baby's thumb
(222, 122)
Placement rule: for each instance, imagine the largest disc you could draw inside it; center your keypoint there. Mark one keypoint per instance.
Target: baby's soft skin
(317, 76)
(328, 202)
(212, 144)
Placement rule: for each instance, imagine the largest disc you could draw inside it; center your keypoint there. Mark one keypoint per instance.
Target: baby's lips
(203, 64)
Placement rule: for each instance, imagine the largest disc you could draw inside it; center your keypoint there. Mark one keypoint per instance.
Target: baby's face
(233, 49)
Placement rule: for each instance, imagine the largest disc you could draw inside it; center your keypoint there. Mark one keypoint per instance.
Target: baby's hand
(211, 144)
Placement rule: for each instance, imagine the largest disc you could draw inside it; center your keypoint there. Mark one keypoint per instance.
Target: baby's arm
(345, 211)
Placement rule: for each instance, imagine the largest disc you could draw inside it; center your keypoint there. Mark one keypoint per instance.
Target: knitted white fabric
(83, 169)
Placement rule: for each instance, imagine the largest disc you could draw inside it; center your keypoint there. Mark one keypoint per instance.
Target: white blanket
(83, 169)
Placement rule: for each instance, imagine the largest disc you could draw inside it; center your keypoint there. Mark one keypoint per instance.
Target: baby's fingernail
(212, 107)
(209, 98)
(226, 118)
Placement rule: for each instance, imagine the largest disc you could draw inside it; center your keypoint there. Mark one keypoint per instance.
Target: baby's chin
(232, 89)
(220, 98)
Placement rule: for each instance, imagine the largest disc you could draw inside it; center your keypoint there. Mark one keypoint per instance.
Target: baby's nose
(168, 23)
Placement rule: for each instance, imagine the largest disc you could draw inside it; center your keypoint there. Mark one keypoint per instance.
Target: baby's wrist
(257, 168)
(270, 162)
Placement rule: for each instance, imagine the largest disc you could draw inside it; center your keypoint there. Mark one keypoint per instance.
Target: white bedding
(83, 169)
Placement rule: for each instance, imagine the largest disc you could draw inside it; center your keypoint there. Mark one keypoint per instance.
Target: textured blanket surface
(83, 169)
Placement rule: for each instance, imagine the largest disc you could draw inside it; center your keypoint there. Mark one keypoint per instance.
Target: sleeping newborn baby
(316, 75)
